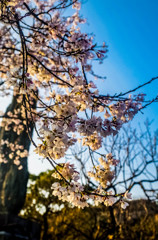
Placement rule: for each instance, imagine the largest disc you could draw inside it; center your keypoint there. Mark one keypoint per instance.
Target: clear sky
(130, 30)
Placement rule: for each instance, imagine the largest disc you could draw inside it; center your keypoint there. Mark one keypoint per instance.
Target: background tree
(14, 142)
(40, 203)
(60, 220)
(137, 149)
(138, 221)
(138, 168)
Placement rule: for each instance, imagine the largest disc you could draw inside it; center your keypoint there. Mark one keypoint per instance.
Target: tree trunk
(13, 182)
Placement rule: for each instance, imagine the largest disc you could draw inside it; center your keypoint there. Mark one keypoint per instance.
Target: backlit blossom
(47, 58)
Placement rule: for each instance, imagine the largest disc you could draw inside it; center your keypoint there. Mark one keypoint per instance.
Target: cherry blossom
(45, 57)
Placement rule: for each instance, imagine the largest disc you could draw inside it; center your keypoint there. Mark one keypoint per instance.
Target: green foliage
(61, 221)
(39, 199)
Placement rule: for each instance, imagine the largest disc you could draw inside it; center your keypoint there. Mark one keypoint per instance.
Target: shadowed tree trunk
(13, 181)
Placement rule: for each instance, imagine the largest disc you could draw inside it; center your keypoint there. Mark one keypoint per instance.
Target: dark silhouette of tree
(14, 146)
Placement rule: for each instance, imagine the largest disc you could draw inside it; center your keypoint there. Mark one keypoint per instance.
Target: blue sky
(130, 30)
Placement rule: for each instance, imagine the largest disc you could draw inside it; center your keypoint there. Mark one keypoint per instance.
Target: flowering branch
(43, 51)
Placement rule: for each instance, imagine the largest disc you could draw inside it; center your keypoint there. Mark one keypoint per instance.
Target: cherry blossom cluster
(69, 188)
(103, 173)
(16, 153)
(45, 57)
(55, 142)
